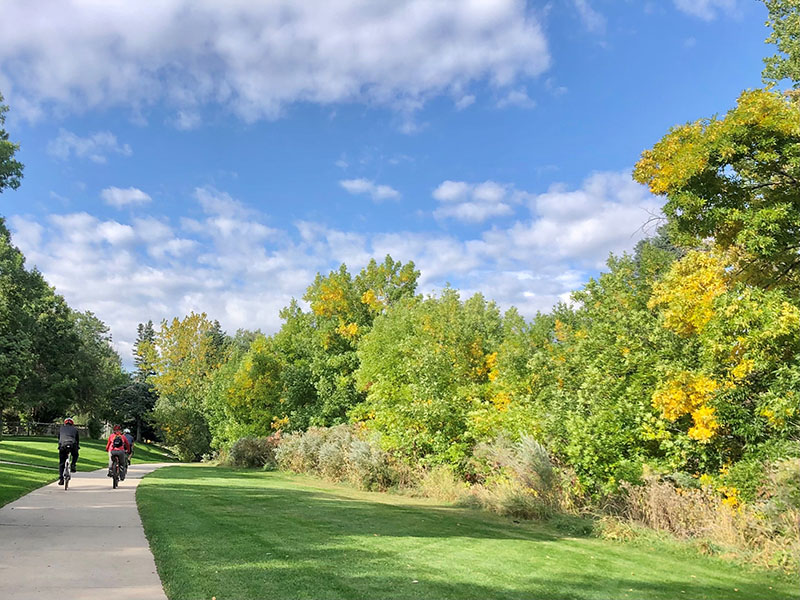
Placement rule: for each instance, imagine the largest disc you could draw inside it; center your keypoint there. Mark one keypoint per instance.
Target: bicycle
(67, 473)
(117, 467)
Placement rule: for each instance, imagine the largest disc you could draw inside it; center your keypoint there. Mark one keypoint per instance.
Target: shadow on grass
(235, 534)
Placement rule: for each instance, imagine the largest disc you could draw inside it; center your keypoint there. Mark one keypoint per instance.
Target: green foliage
(53, 360)
(10, 169)
(425, 367)
(244, 396)
(187, 352)
(784, 19)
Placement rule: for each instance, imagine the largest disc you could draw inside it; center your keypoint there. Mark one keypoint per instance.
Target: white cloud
(580, 226)
(119, 197)
(518, 98)
(592, 20)
(365, 186)
(474, 203)
(256, 58)
(705, 9)
(465, 101)
(95, 147)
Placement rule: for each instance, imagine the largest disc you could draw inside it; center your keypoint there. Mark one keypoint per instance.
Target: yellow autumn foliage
(688, 291)
(683, 393)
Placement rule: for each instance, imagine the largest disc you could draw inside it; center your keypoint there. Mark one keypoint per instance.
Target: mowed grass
(39, 456)
(16, 481)
(235, 534)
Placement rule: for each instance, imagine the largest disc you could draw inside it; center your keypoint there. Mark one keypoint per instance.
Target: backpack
(117, 443)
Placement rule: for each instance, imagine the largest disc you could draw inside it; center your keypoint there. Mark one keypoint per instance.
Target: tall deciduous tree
(187, 353)
(10, 169)
(736, 181)
(784, 19)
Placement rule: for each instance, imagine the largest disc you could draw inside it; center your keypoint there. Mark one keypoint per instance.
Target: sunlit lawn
(248, 534)
(37, 452)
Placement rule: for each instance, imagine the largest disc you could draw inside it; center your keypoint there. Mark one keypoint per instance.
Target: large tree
(784, 19)
(735, 181)
(10, 169)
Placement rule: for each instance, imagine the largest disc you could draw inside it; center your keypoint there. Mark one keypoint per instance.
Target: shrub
(764, 532)
(526, 462)
(340, 453)
(441, 483)
(254, 452)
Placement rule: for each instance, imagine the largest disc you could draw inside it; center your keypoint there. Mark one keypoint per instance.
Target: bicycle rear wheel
(115, 472)
(67, 474)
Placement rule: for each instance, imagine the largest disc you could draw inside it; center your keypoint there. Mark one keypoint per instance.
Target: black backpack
(117, 443)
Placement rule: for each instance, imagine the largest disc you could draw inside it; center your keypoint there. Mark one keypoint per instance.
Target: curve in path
(86, 543)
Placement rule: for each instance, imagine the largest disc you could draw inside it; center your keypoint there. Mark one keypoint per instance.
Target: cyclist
(129, 437)
(117, 445)
(68, 443)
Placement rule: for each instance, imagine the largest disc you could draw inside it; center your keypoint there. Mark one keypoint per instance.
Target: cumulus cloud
(705, 9)
(231, 264)
(581, 226)
(96, 147)
(364, 186)
(255, 58)
(474, 202)
(119, 197)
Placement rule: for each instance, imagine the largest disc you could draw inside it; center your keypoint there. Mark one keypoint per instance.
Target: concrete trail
(86, 543)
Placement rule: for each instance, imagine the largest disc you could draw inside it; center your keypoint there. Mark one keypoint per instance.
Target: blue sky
(213, 156)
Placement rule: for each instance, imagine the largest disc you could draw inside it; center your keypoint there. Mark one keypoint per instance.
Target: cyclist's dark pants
(62, 458)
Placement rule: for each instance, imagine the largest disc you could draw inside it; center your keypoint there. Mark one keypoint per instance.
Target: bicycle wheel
(67, 474)
(115, 472)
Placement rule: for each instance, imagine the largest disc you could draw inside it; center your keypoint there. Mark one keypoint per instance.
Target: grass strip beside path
(16, 481)
(249, 534)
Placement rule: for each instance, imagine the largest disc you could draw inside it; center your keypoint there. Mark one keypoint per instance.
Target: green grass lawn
(249, 534)
(37, 452)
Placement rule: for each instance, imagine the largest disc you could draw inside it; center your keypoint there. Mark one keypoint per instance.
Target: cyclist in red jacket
(118, 445)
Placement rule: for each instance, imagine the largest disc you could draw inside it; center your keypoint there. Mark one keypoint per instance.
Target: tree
(784, 18)
(425, 368)
(10, 169)
(186, 355)
(143, 349)
(97, 367)
(736, 182)
(134, 401)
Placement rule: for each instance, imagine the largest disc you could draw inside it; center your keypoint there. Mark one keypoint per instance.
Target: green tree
(10, 169)
(186, 355)
(425, 368)
(245, 394)
(784, 19)
(133, 402)
(143, 349)
(96, 367)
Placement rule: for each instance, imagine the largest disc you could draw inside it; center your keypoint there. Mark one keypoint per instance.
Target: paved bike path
(85, 544)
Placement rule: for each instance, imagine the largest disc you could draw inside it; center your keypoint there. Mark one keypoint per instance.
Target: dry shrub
(766, 533)
(341, 453)
(441, 483)
(509, 497)
(254, 452)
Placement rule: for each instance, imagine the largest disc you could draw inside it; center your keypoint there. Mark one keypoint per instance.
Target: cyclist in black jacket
(68, 443)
